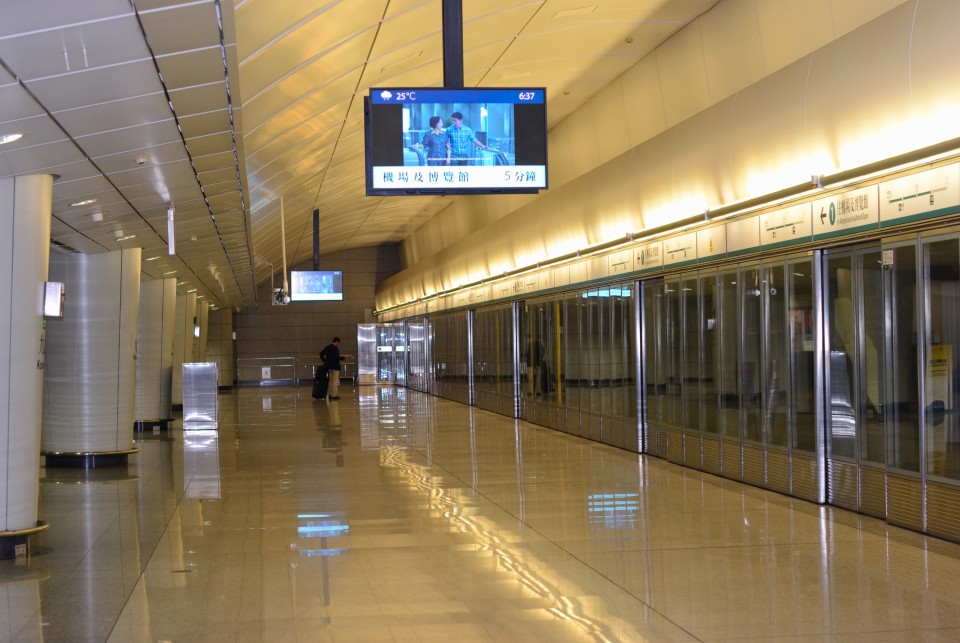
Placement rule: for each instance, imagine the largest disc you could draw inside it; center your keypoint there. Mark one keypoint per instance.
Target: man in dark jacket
(331, 361)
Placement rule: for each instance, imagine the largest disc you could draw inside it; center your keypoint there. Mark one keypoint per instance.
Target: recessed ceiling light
(192, 290)
(10, 138)
(84, 202)
(151, 258)
(170, 272)
(129, 236)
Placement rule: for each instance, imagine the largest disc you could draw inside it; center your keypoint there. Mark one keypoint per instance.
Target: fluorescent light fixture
(170, 272)
(127, 237)
(196, 331)
(151, 258)
(10, 138)
(579, 11)
(84, 202)
(170, 231)
(192, 290)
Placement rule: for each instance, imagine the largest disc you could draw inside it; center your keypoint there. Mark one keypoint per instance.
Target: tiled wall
(302, 329)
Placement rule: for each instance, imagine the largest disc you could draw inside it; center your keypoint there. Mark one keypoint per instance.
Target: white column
(25, 205)
(158, 304)
(183, 346)
(220, 346)
(203, 316)
(90, 381)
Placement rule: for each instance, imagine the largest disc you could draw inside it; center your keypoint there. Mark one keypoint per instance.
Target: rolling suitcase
(320, 382)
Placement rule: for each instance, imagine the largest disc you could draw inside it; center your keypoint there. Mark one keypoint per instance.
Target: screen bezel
(481, 93)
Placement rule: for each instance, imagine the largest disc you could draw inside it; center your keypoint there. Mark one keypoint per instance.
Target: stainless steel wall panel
(753, 465)
(663, 442)
(158, 303)
(943, 510)
(593, 426)
(905, 501)
(25, 204)
(90, 386)
(631, 436)
(806, 479)
(200, 395)
(182, 342)
(731, 465)
(873, 491)
(692, 451)
(711, 454)
(675, 445)
(778, 470)
(842, 484)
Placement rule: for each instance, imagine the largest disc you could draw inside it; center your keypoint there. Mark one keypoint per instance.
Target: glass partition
(802, 362)
(731, 397)
(941, 273)
(904, 416)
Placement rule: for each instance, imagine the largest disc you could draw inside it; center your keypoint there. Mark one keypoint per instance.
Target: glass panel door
(729, 381)
(903, 417)
(802, 363)
(941, 272)
(776, 358)
(751, 346)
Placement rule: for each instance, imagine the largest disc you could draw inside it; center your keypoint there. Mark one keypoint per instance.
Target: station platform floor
(392, 515)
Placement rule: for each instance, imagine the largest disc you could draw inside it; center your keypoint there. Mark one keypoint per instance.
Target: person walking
(331, 361)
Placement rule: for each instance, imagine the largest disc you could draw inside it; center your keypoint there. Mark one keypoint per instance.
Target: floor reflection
(394, 515)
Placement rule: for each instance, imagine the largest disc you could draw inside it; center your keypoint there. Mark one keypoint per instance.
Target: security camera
(280, 298)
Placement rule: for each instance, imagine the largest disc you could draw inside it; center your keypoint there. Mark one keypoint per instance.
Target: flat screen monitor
(316, 285)
(455, 141)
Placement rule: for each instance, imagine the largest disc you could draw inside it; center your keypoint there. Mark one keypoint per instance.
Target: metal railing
(287, 371)
(267, 371)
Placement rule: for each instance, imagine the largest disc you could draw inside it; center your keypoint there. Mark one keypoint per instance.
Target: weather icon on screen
(386, 95)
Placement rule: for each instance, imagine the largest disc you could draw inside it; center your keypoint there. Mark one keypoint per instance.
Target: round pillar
(25, 205)
(90, 381)
(158, 302)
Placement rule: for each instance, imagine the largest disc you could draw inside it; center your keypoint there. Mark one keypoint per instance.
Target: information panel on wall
(680, 250)
(649, 256)
(786, 226)
(846, 213)
(919, 196)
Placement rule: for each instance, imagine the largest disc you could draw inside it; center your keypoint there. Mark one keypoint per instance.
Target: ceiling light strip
(196, 174)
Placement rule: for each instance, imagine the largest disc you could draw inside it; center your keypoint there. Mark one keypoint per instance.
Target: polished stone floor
(396, 516)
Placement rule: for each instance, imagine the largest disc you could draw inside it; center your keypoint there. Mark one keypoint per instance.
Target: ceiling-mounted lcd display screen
(316, 285)
(450, 141)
